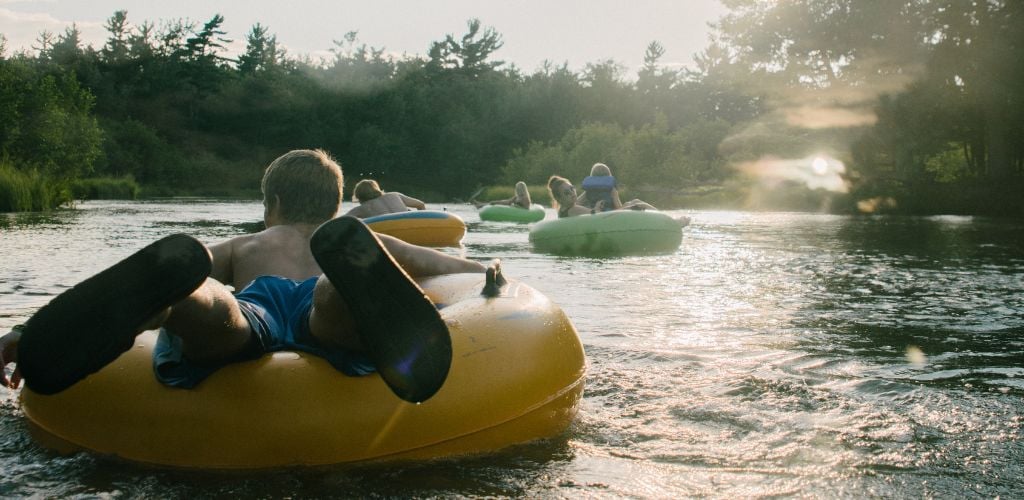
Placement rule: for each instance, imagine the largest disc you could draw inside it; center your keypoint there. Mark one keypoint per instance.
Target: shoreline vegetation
(757, 123)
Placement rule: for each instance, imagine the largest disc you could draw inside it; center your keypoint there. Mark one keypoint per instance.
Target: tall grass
(30, 191)
(105, 188)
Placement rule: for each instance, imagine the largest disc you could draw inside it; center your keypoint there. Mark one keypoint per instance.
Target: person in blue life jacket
(521, 198)
(601, 194)
(601, 186)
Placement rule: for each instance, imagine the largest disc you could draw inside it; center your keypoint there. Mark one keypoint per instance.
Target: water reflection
(775, 354)
(933, 241)
(18, 220)
(939, 285)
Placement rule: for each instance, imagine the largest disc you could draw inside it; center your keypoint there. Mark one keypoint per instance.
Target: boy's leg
(472, 197)
(638, 204)
(88, 326)
(210, 324)
(394, 320)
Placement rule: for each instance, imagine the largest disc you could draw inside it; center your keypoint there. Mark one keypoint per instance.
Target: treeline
(161, 105)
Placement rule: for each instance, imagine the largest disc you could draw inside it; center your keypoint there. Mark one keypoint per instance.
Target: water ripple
(775, 354)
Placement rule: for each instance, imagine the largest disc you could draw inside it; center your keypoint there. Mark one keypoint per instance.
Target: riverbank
(33, 192)
(892, 198)
(30, 192)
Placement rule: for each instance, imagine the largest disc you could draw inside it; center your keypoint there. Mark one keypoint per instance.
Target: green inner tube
(618, 232)
(506, 213)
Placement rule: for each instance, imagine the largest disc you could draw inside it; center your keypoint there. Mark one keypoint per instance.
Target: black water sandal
(400, 327)
(90, 325)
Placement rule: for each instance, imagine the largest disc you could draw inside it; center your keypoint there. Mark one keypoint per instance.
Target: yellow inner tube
(517, 375)
(429, 228)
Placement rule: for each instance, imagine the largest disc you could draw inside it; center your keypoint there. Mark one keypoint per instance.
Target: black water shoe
(90, 325)
(403, 332)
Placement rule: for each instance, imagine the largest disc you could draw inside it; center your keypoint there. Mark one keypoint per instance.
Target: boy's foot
(398, 324)
(494, 280)
(91, 324)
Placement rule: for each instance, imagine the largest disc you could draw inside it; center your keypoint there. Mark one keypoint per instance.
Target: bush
(15, 190)
(651, 155)
(29, 191)
(105, 188)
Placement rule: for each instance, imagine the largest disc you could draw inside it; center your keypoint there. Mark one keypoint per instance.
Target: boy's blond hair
(307, 183)
(366, 190)
(523, 194)
(553, 182)
(600, 170)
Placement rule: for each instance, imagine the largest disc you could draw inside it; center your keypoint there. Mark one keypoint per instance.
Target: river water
(773, 354)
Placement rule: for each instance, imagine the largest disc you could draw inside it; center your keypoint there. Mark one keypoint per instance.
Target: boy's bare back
(280, 250)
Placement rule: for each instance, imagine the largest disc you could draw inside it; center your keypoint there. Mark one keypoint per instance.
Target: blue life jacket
(599, 188)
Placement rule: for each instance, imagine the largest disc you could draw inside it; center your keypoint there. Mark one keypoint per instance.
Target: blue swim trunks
(278, 313)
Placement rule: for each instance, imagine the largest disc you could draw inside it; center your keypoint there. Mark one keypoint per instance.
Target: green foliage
(653, 80)
(469, 54)
(653, 154)
(131, 148)
(932, 85)
(949, 165)
(51, 126)
(116, 49)
(203, 46)
(928, 91)
(48, 135)
(105, 188)
(27, 191)
(261, 52)
(16, 189)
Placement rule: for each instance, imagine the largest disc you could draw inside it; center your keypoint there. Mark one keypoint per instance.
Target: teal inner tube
(618, 232)
(506, 213)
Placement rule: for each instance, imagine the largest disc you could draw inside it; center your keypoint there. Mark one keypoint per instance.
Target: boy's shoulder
(274, 235)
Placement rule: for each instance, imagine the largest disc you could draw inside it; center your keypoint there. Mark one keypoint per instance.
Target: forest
(842, 106)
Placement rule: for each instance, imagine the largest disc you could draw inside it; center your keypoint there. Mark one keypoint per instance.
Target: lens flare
(820, 166)
(818, 172)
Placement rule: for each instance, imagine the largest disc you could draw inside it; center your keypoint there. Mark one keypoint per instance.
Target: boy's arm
(579, 210)
(422, 261)
(412, 202)
(223, 270)
(616, 202)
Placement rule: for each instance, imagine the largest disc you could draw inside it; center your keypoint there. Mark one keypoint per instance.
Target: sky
(576, 32)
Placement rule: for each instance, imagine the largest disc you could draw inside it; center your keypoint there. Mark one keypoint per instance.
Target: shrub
(22, 191)
(105, 188)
